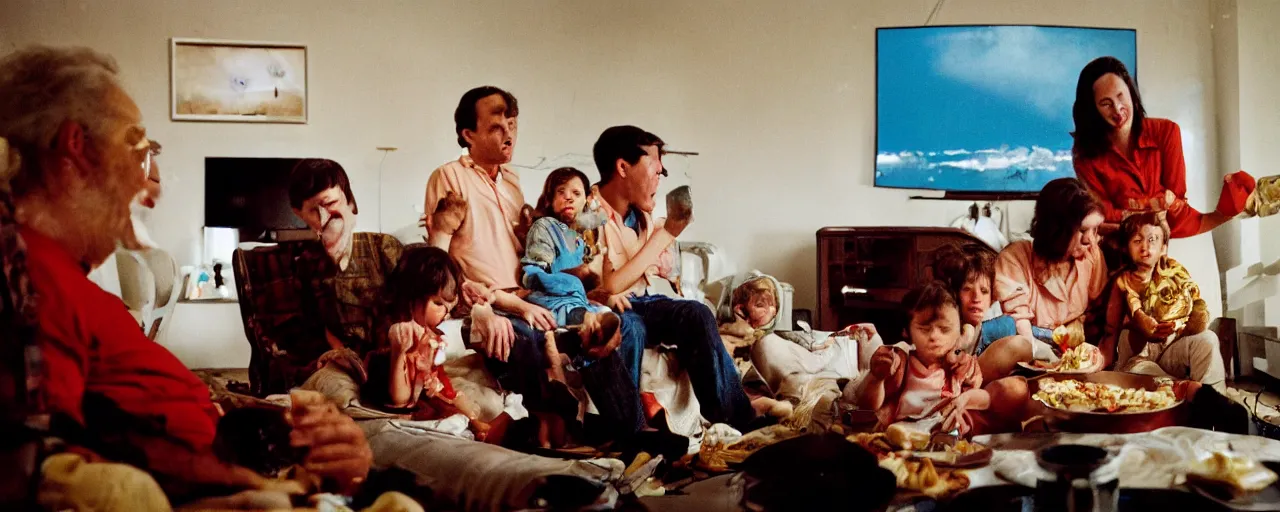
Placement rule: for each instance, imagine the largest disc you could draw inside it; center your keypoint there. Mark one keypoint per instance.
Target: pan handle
(1042, 420)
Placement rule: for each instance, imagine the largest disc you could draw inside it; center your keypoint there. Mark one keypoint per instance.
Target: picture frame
(238, 81)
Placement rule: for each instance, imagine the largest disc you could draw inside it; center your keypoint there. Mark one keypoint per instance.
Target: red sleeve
(1087, 172)
(65, 350)
(1173, 173)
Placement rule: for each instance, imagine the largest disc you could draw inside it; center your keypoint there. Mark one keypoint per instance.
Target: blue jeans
(691, 327)
(612, 385)
(1004, 326)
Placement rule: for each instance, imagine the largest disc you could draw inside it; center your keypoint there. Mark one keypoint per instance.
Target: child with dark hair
(932, 380)
(969, 272)
(409, 376)
(557, 250)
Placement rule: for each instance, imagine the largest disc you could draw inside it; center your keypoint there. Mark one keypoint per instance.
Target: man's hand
(619, 302)
(448, 215)
(537, 316)
(884, 363)
(495, 330)
(676, 226)
(475, 293)
(338, 449)
(404, 334)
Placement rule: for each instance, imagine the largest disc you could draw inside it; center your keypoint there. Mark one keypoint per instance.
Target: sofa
(275, 302)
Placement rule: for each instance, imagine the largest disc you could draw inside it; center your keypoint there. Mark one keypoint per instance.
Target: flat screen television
(982, 108)
(250, 194)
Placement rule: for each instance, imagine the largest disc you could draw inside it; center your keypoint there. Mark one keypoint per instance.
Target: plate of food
(1080, 396)
(922, 476)
(1084, 358)
(1235, 481)
(899, 442)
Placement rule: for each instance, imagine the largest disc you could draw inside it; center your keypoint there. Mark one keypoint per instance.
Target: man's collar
(604, 205)
(470, 163)
(48, 247)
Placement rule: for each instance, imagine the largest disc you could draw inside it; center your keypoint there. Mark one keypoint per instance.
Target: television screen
(249, 194)
(982, 108)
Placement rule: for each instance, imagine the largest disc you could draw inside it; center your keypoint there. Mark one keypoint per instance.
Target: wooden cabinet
(863, 273)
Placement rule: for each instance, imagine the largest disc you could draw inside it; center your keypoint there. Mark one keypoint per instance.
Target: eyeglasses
(149, 149)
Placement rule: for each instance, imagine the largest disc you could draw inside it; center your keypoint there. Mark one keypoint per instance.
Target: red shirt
(1121, 183)
(91, 343)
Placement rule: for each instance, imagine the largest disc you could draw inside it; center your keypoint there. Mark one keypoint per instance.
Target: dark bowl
(1072, 460)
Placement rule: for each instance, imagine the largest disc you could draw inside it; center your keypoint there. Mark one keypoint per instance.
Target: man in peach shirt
(638, 278)
(473, 208)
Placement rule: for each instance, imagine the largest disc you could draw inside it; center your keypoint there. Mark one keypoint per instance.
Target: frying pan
(1059, 420)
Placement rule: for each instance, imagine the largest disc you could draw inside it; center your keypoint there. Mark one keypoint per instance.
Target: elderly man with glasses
(80, 159)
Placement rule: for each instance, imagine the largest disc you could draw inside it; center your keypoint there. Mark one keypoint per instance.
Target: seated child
(969, 272)
(935, 381)
(556, 254)
(1163, 308)
(754, 305)
(409, 376)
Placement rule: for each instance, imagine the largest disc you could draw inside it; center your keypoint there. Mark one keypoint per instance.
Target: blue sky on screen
(984, 108)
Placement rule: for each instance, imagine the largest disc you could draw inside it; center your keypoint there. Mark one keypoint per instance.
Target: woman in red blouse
(1133, 163)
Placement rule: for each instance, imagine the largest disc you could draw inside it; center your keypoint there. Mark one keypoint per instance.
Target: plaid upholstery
(353, 307)
(21, 367)
(23, 416)
(291, 292)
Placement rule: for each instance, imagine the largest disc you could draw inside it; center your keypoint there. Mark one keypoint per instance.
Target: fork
(941, 441)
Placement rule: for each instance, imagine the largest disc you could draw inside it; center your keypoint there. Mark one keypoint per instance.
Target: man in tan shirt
(473, 206)
(638, 275)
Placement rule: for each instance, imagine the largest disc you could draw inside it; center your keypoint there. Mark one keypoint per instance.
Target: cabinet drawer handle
(849, 290)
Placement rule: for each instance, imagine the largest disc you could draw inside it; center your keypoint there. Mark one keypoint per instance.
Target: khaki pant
(69, 482)
(1195, 357)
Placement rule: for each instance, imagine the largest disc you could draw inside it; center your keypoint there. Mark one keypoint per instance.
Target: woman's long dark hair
(1091, 129)
(554, 180)
(1061, 208)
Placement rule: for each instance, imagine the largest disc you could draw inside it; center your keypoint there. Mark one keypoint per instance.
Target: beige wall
(1248, 70)
(778, 97)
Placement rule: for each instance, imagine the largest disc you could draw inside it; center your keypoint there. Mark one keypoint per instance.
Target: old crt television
(250, 195)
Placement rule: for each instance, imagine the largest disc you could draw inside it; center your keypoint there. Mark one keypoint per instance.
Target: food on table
(921, 476)
(1233, 474)
(1069, 335)
(882, 445)
(1073, 359)
(1078, 396)
(904, 437)
(875, 442)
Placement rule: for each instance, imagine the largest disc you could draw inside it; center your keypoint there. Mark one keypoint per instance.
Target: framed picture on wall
(238, 81)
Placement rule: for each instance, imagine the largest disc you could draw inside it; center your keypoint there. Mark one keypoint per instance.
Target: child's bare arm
(400, 388)
(1114, 324)
(976, 399)
(881, 385)
(873, 395)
